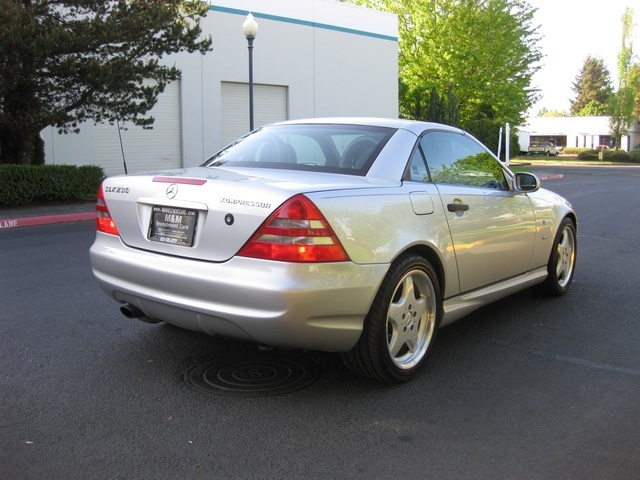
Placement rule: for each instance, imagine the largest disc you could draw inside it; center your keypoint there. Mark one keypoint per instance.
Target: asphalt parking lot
(527, 388)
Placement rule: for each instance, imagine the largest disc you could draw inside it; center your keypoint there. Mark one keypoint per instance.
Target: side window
(455, 159)
(417, 169)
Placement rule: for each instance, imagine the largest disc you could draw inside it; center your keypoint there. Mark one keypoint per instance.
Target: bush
(588, 154)
(610, 155)
(575, 150)
(23, 184)
(635, 155)
(617, 155)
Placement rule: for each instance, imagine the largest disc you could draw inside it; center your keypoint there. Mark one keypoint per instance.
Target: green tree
(633, 80)
(594, 109)
(545, 112)
(623, 103)
(64, 62)
(429, 105)
(621, 110)
(592, 84)
(481, 54)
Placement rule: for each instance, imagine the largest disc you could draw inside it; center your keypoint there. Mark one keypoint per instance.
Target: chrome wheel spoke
(401, 333)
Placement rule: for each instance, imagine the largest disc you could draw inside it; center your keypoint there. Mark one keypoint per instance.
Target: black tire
(562, 261)
(402, 323)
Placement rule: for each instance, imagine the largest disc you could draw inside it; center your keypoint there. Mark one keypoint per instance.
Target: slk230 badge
(117, 189)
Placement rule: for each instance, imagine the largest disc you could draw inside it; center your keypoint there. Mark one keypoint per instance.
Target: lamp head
(250, 27)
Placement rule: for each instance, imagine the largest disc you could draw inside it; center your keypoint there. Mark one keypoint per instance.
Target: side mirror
(526, 182)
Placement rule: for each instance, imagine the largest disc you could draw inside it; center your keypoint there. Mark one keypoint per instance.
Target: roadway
(527, 388)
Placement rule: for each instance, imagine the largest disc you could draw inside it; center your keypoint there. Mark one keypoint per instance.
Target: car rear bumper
(312, 306)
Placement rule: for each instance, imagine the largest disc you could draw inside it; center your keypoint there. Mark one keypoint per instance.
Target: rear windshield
(349, 149)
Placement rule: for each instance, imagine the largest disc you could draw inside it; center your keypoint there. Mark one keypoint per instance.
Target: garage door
(269, 105)
(158, 148)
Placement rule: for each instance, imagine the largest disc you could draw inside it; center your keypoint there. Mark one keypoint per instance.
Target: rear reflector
(296, 232)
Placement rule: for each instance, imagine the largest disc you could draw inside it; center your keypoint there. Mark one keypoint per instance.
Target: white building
(311, 58)
(585, 132)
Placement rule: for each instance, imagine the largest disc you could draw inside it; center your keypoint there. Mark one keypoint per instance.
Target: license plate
(174, 226)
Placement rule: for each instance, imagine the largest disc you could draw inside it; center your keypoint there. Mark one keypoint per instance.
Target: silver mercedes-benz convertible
(359, 236)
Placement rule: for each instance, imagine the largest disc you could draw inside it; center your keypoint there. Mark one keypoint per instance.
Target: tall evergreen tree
(66, 61)
(592, 87)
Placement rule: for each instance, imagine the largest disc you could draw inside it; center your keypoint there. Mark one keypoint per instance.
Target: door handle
(457, 207)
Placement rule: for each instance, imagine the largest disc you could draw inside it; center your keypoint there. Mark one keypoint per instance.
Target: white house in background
(311, 58)
(586, 132)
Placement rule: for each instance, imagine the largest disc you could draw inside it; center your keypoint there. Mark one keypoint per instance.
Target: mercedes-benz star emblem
(172, 190)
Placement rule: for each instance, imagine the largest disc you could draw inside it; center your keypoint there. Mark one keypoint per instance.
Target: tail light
(296, 232)
(104, 222)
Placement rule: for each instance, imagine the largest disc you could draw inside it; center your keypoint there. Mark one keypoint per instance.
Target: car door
(492, 228)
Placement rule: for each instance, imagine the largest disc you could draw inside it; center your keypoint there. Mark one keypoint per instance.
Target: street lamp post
(250, 30)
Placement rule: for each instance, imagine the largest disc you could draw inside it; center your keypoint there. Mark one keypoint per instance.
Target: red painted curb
(45, 220)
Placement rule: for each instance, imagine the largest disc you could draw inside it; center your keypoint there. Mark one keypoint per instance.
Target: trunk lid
(207, 213)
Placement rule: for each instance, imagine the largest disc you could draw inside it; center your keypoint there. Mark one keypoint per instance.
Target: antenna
(124, 160)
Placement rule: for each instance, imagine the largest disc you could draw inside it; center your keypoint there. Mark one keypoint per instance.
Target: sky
(571, 30)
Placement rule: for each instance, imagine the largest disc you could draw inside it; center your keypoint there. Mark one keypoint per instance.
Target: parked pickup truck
(547, 148)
